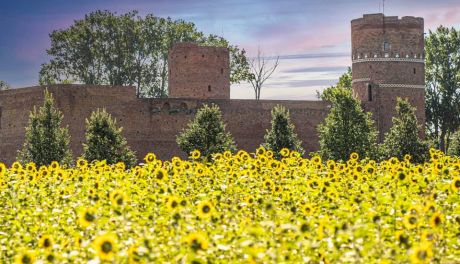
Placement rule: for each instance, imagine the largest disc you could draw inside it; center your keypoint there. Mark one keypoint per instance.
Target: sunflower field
(241, 208)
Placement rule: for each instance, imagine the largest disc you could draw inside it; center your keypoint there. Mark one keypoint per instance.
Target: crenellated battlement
(380, 21)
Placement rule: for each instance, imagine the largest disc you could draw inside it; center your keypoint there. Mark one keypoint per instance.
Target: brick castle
(387, 60)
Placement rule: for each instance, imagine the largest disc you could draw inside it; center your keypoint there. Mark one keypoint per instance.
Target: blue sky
(311, 36)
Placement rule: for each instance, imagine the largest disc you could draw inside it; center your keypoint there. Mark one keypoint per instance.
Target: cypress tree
(104, 141)
(403, 136)
(206, 133)
(45, 140)
(282, 133)
(347, 128)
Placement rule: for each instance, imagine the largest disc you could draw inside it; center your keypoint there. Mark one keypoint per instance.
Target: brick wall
(150, 125)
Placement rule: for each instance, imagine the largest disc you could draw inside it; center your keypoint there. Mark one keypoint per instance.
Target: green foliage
(403, 138)
(345, 82)
(454, 148)
(104, 140)
(442, 49)
(4, 86)
(106, 48)
(206, 133)
(45, 140)
(282, 133)
(347, 128)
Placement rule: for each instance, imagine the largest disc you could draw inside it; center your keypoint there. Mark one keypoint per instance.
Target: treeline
(346, 130)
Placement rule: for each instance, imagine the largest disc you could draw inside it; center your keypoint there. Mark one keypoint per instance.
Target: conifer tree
(104, 140)
(206, 133)
(454, 147)
(403, 136)
(347, 128)
(282, 133)
(45, 140)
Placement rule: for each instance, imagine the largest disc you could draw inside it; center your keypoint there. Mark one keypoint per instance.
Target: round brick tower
(200, 72)
(388, 62)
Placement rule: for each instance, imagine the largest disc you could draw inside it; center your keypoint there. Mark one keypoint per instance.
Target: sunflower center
(47, 242)
(206, 209)
(89, 217)
(174, 204)
(106, 247)
(422, 254)
(457, 184)
(26, 259)
(412, 220)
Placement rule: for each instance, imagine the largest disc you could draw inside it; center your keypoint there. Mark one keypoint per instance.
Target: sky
(312, 37)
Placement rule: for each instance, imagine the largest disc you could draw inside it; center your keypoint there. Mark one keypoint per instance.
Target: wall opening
(414, 71)
(202, 55)
(386, 46)
(0, 117)
(209, 88)
(185, 57)
(221, 70)
(369, 92)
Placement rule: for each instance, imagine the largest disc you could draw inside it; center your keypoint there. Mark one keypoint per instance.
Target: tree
(206, 133)
(454, 148)
(345, 81)
(106, 48)
(442, 50)
(347, 128)
(261, 69)
(282, 133)
(104, 140)
(402, 138)
(45, 140)
(4, 86)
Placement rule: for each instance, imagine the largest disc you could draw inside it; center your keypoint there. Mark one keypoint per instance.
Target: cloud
(317, 69)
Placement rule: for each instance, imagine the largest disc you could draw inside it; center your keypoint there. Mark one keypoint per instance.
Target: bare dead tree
(261, 69)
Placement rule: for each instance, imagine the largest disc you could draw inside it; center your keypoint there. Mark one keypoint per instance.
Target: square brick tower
(388, 62)
(199, 72)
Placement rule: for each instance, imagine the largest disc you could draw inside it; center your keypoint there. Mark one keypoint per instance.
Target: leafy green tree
(45, 140)
(126, 49)
(345, 81)
(282, 133)
(403, 138)
(454, 148)
(347, 128)
(104, 141)
(442, 49)
(206, 133)
(4, 86)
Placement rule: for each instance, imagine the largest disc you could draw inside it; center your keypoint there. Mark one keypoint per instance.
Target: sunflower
(354, 156)
(105, 246)
(436, 220)
(410, 221)
(45, 242)
(25, 257)
(86, 217)
(82, 163)
(172, 203)
(455, 185)
(150, 158)
(134, 256)
(160, 174)
(308, 209)
(2, 169)
(421, 254)
(197, 241)
(196, 154)
(117, 198)
(284, 152)
(205, 209)
(260, 151)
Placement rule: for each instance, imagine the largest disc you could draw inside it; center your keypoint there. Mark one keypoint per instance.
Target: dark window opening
(185, 57)
(202, 55)
(414, 71)
(369, 92)
(209, 88)
(386, 46)
(222, 71)
(0, 117)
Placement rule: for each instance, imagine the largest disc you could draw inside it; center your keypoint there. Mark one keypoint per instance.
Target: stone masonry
(387, 55)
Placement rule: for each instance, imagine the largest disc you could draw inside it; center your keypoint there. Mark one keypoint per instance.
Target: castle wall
(149, 125)
(198, 72)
